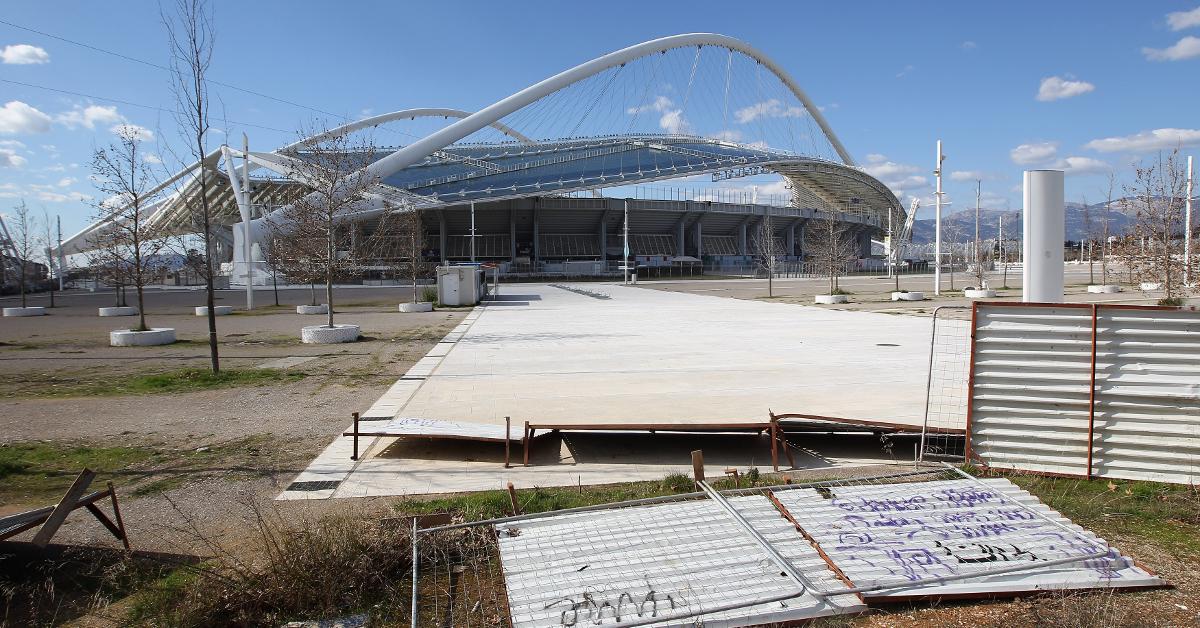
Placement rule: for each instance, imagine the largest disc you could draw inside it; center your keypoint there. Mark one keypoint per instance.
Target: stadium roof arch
(440, 169)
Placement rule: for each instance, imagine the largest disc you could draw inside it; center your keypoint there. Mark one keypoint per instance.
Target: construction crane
(905, 235)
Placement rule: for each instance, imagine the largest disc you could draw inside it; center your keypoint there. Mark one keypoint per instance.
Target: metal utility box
(459, 285)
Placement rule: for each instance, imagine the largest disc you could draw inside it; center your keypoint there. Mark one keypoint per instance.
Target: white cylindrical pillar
(1044, 220)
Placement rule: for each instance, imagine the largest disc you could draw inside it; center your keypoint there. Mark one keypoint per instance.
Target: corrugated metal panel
(1148, 395)
(1032, 380)
(1029, 402)
(651, 561)
(885, 533)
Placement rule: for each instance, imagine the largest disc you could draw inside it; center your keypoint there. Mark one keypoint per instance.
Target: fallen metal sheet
(901, 533)
(434, 428)
(620, 567)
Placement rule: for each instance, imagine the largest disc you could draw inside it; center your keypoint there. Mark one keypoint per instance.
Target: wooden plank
(698, 466)
(69, 502)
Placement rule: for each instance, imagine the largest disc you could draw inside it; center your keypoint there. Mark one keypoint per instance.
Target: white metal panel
(1147, 424)
(879, 534)
(1030, 401)
(435, 428)
(651, 561)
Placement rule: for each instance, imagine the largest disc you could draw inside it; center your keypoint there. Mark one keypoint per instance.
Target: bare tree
(832, 247)
(398, 243)
(312, 229)
(767, 250)
(1158, 197)
(1104, 227)
(123, 175)
(190, 31)
(23, 232)
(48, 252)
(1086, 239)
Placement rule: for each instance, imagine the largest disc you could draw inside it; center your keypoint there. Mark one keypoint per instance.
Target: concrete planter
(151, 337)
(979, 293)
(1144, 287)
(24, 311)
(119, 311)
(908, 296)
(322, 335)
(312, 309)
(830, 299)
(218, 310)
(421, 306)
(1104, 289)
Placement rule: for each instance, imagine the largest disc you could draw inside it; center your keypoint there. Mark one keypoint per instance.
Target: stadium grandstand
(698, 138)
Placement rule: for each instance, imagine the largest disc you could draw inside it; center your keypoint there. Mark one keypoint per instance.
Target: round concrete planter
(312, 309)
(1104, 289)
(24, 311)
(1144, 287)
(322, 335)
(421, 306)
(830, 299)
(118, 311)
(218, 310)
(151, 337)
(908, 296)
(974, 293)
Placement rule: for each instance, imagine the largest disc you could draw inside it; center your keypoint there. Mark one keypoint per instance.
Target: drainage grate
(318, 485)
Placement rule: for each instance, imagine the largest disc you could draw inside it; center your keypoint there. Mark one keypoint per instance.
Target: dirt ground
(216, 447)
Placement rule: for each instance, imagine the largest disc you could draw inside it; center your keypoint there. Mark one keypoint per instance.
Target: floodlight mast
(1187, 229)
(937, 236)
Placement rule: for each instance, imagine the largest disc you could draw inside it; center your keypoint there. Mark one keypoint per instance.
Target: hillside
(960, 226)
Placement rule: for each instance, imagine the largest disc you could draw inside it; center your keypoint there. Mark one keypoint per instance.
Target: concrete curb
(151, 337)
(323, 335)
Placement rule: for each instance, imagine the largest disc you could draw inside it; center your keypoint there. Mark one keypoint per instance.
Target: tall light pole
(61, 257)
(247, 243)
(472, 231)
(625, 263)
(937, 223)
(1187, 229)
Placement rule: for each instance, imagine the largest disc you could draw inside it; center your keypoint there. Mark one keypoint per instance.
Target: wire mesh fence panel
(945, 421)
(459, 579)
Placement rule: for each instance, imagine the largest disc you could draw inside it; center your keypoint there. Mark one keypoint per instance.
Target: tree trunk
(22, 283)
(141, 309)
(332, 252)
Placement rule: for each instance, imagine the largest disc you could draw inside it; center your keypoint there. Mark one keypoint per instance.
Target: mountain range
(960, 226)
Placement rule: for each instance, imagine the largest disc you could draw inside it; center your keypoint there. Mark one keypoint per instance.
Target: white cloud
(57, 197)
(673, 122)
(1179, 20)
(1158, 139)
(18, 117)
(1185, 48)
(728, 135)
(10, 159)
(23, 54)
(89, 116)
(966, 175)
(1082, 165)
(151, 158)
(766, 109)
(11, 144)
(139, 133)
(904, 72)
(1035, 153)
(661, 104)
(899, 177)
(66, 182)
(1058, 88)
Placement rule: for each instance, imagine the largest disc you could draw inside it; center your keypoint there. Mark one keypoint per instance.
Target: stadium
(551, 179)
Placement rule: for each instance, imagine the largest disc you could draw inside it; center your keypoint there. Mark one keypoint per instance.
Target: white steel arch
(422, 112)
(438, 140)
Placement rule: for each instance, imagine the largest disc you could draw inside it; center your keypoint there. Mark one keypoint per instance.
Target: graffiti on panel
(952, 531)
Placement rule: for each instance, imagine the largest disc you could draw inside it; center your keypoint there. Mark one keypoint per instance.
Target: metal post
(61, 264)
(507, 441)
(247, 243)
(414, 573)
(472, 231)
(354, 454)
(937, 237)
(1187, 229)
(626, 262)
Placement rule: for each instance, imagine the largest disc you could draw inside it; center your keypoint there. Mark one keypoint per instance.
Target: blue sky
(893, 77)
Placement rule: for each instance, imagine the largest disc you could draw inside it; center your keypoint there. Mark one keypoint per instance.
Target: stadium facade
(542, 204)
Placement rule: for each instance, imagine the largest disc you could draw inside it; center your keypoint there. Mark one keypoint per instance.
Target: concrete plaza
(582, 354)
